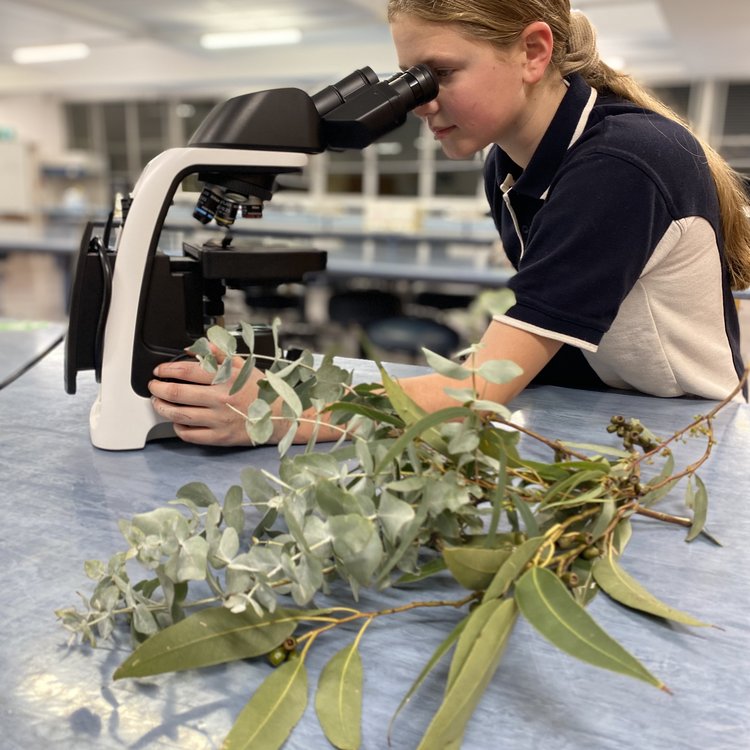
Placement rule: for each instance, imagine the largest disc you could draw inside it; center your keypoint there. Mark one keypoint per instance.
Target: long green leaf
(275, 708)
(697, 500)
(409, 411)
(475, 567)
(476, 621)
(625, 589)
(546, 604)
(338, 701)
(652, 496)
(511, 568)
(438, 654)
(430, 568)
(530, 521)
(376, 415)
(420, 429)
(449, 722)
(211, 636)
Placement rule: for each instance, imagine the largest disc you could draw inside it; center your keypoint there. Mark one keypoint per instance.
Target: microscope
(135, 305)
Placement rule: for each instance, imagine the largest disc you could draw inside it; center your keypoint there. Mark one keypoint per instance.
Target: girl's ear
(537, 41)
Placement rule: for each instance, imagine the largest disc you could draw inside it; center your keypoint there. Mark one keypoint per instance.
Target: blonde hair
(501, 22)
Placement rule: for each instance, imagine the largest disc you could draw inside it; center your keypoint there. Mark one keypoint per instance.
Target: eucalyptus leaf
(697, 500)
(446, 367)
(285, 392)
(243, 376)
(432, 662)
(431, 568)
(200, 348)
(199, 493)
(211, 636)
(548, 606)
(248, 335)
(603, 519)
(473, 625)
(499, 370)
(660, 485)
(224, 372)
(596, 448)
(234, 514)
(256, 485)
(222, 339)
(423, 428)
(338, 701)
(449, 722)
(512, 567)
(273, 711)
(621, 535)
(475, 567)
(622, 587)
(394, 515)
(529, 519)
(357, 546)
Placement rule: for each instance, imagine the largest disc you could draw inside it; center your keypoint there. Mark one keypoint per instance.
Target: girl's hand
(200, 411)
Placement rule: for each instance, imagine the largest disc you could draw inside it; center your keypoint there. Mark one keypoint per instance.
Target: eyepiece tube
(337, 93)
(420, 79)
(378, 109)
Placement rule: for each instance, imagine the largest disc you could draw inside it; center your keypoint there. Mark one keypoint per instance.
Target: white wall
(37, 120)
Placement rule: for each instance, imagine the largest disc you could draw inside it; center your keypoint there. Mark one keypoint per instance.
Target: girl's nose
(426, 109)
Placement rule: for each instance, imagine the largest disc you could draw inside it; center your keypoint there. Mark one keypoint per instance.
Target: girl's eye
(443, 72)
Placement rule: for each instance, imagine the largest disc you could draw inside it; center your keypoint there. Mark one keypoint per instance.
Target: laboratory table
(23, 342)
(62, 501)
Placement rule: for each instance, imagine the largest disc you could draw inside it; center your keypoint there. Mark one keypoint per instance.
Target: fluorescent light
(50, 53)
(230, 39)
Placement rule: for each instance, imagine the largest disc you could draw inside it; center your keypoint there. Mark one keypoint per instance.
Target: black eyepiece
(420, 79)
(379, 108)
(337, 93)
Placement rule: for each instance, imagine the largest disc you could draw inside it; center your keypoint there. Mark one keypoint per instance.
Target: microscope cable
(101, 249)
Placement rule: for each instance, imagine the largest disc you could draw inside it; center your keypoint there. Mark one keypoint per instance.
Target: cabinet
(17, 186)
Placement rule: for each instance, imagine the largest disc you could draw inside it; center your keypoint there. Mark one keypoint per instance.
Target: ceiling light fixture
(232, 39)
(50, 53)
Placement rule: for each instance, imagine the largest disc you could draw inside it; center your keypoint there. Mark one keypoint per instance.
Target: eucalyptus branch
(411, 499)
(690, 428)
(555, 445)
(369, 616)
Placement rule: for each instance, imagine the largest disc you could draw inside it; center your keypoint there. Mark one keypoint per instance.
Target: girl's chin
(453, 151)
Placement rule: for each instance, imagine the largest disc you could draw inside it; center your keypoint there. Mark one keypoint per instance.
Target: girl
(627, 232)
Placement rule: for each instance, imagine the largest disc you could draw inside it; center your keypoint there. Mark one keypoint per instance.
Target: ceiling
(150, 47)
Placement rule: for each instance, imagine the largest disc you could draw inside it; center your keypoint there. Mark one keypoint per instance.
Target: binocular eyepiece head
(352, 113)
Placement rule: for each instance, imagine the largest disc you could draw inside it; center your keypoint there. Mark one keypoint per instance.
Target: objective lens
(253, 209)
(226, 213)
(208, 203)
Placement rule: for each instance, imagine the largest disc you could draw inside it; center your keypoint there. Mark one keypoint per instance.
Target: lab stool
(407, 335)
(359, 307)
(274, 299)
(444, 300)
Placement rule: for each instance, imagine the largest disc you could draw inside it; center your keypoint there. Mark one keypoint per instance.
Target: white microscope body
(120, 418)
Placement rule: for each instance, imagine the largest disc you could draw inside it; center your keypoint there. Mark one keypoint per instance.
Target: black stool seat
(409, 334)
(362, 306)
(444, 300)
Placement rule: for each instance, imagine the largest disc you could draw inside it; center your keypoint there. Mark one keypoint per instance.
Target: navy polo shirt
(615, 234)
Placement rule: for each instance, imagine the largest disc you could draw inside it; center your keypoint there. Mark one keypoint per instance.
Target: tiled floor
(32, 287)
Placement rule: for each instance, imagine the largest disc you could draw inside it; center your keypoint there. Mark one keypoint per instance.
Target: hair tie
(582, 54)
